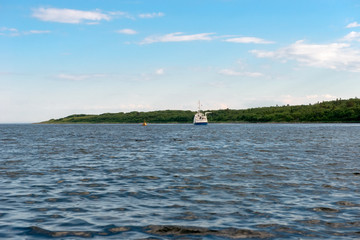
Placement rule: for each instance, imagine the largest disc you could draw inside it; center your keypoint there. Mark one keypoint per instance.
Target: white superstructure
(200, 118)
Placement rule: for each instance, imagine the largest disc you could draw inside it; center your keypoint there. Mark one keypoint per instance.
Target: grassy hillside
(331, 111)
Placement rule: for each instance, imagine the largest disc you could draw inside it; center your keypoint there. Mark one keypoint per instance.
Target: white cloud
(297, 100)
(353, 36)
(121, 14)
(230, 72)
(69, 15)
(8, 29)
(151, 15)
(79, 77)
(337, 56)
(127, 31)
(353, 25)
(177, 37)
(13, 32)
(37, 32)
(92, 23)
(248, 40)
(160, 71)
(253, 74)
(322, 97)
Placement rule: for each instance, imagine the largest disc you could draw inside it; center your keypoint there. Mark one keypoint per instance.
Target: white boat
(200, 118)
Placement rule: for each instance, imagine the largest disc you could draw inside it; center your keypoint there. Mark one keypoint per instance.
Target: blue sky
(89, 56)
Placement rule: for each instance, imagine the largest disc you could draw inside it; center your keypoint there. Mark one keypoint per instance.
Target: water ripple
(226, 181)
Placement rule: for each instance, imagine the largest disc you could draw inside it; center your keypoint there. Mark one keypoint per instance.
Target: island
(336, 111)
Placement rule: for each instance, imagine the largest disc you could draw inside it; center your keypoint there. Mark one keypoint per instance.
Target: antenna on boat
(199, 107)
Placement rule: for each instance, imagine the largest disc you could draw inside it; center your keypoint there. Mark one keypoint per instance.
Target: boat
(200, 118)
(144, 123)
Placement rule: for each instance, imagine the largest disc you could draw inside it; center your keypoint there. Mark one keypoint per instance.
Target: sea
(180, 181)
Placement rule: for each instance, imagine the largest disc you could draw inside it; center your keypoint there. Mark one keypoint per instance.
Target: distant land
(337, 111)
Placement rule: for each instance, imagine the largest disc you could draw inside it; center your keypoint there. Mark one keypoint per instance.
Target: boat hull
(200, 123)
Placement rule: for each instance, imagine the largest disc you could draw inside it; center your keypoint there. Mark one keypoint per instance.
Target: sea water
(179, 181)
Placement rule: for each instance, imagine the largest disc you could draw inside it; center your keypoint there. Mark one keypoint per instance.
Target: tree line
(330, 111)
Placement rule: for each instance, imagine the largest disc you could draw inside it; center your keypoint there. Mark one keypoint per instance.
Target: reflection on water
(180, 181)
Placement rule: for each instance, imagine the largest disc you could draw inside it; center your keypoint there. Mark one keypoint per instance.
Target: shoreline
(173, 123)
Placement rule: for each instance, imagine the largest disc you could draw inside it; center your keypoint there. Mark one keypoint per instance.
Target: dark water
(262, 181)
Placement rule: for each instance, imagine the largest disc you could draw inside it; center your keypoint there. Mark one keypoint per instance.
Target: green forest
(342, 111)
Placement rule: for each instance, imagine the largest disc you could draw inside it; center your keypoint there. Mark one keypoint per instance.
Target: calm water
(271, 181)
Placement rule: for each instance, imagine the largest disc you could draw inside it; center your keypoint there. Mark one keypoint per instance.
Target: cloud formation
(69, 15)
(79, 77)
(353, 36)
(353, 25)
(230, 72)
(337, 56)
(248, 40)
(126, 31)
(151, 15)
(160, 71)
(4, 31)
(297, 100)
(13, 32)
(178, 37)
(37, 32)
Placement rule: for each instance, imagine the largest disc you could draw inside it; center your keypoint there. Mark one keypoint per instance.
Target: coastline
(337, 111)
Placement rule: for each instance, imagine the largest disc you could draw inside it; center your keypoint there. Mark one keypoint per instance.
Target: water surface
(262, 181)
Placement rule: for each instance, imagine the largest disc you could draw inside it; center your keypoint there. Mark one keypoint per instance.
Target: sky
(59, 58)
